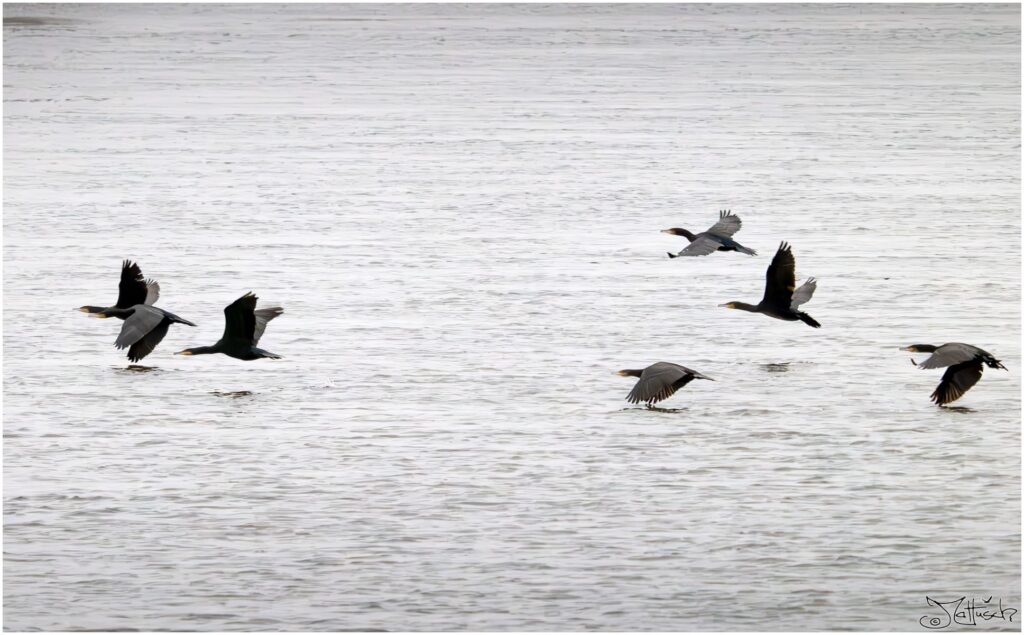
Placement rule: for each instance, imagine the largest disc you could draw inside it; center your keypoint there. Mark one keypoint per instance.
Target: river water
(459, 209)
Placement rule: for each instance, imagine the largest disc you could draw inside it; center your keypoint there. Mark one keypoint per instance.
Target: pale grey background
(459, 209)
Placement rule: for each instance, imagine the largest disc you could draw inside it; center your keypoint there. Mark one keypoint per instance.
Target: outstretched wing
(146, 345)
(132, 288)
(262, 317)
(780, 280)
(727, 225)
(804, 293)
(239, 320)
(701, 247)
(661, 381)
(949, 354)
(152, 291)
(957, 380)
(143, 320)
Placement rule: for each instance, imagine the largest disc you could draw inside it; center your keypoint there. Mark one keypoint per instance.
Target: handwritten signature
(964, 612)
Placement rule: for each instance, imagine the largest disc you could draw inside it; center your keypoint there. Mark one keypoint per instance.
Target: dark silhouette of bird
(144, 327)
(144, 324)
(717, 238)
(243, 326)
(659, 381)
(965, 364)
(781, 297)
(133, 289)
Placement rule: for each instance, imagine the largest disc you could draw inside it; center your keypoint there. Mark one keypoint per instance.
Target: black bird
(144, 327)
(781, 297)
(717, 238)
(965, 365)
(133, 289)
(243, 326)
(659, 381)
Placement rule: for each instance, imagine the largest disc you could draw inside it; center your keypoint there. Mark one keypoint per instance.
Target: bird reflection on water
(657, 409)
(780, 367)
(651, 408)
(236, 393)
(135, 368)
(962, 409)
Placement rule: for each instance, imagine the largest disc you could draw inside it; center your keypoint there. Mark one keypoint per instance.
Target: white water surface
(459, 208)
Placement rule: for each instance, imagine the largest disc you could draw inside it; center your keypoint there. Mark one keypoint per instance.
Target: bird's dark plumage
(144, 327)
(964, 364)
(144, 324)
(244, 325)
(659, 381)
(132, 289)
(717, 238)
(781, 297)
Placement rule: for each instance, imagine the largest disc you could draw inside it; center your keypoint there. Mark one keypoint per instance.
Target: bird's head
(187, 351)
(630, 372)
(919, 348)
(729, 305)
(95, 311)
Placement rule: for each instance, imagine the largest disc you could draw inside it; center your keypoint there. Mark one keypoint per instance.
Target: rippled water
(459, 210)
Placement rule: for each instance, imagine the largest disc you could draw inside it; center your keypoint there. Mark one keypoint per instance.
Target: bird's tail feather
(746, 250)
(671, 255)
(177, 319)
(808, 320)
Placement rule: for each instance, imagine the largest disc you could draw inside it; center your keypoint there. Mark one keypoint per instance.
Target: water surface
(459, 210)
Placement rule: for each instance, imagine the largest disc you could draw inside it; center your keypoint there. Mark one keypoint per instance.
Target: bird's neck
(743, 306)
(118, 312)
(689, 234)
(204, 350)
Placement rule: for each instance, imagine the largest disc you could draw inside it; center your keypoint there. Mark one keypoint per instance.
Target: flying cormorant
(717, 238)
(781, 297)
(965, 365)
(659, 381)
(243, 326)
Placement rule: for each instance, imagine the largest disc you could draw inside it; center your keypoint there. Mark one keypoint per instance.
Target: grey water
(459, 209)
